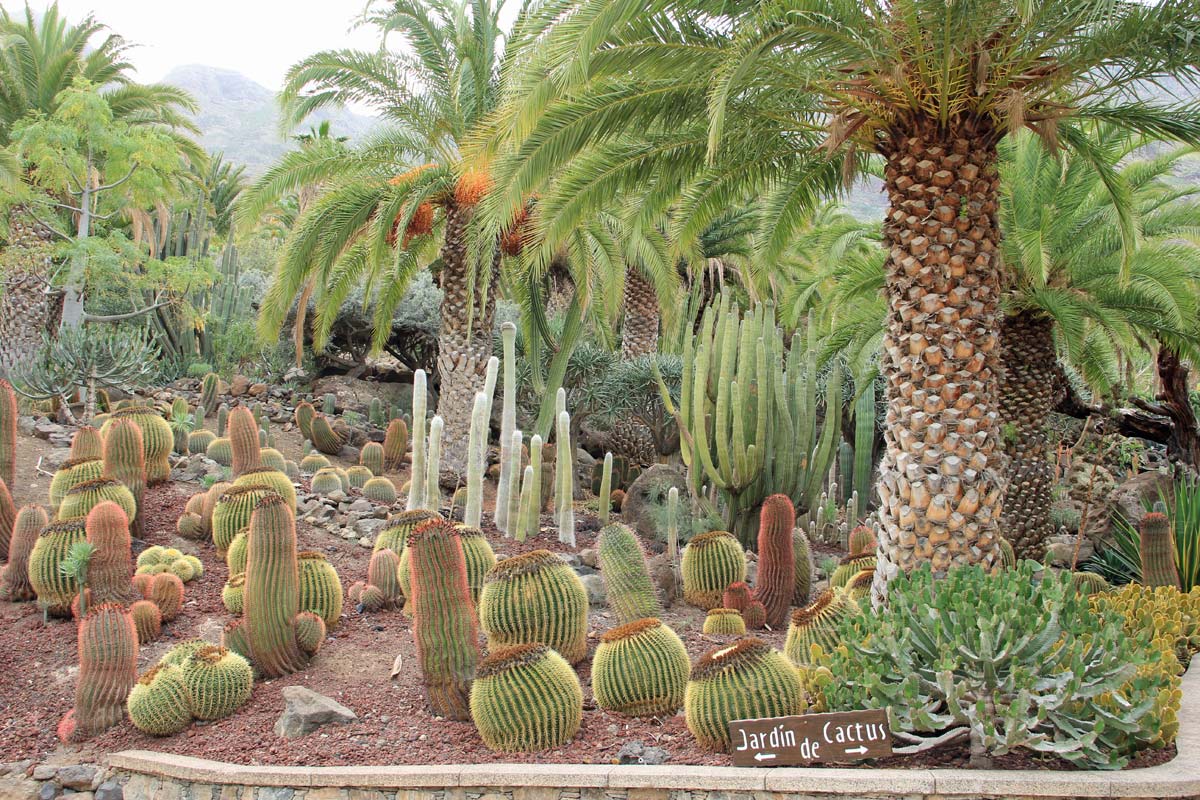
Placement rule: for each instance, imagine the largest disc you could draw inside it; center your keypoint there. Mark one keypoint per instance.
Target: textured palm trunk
(465, 340)
(30, 307)
(639, 330)
(1029, 389)
(939, 487)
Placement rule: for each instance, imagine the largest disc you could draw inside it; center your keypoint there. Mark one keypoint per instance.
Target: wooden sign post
(811, 738)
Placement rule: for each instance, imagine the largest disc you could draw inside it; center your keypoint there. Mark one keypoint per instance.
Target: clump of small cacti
(272, 479)
(220, 450)
(805, 567)
(320, 587)
(159, 703)
(325, 482)
(231, 514)
(14, 578)
(535, 597)
(817, 624)
(380, 490)
(623, 566)
(157, 440)
(218, 681)
(525, 699)
(358, 475)
(313, 463)
(125, 461)
(54, 589)
(640, 669)
(744, 680)
(147, 620)
(85, 496)
(724, 622)
(108, 648)
(776, 558)
(371, 457)
(711, 561)
(1157, 545)
(324, 437)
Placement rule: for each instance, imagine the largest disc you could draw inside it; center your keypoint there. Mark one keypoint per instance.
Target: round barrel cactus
(233, 592)
(817, 624)
(479, 555)
(269, 478)
(711, 561)
(198, 441)
(218, 681)
(399, 526)
(166, 592)
(640, 669)
(325, 482)
(724, 622)
(535, 597)
(235, 557)
(14, 578)
(320, 587)
(359, 475)
(526, 699)
(54, 590)
(313, 463)
(220, 450)
(848, 567)
(158, 440)
(371, 457)
(147, 619)
(274, 459)
(231, 514)
(159, 704)
(83, 497)
(380, 490)
(71, 472)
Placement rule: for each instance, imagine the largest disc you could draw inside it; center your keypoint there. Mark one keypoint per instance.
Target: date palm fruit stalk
(395, 444)
(416, 492)
(324, 437)
(218, 680)
(125, 461)
(476, 456)
(640, 669)
(54, 590)
(71, 472)
(623, 566)
(565, 480)
(508, 424)
(535, 597)
(14, 578)
(444, 625)
(776, 559)
(724, 622)
(711, 561)
(85, 496)
(744, 680)
(526, 698)
(817, 624)
(805, 567)
(8, 433)
(243, 441)
(166, 592)
(272, 479)
(108, 651)
(111, 567)
(320, 587)
(208, 392)
(479, 556)
(147, 620)
(1157, 546)
(159, 704)
(272, 595)
(371, 457)
(157, 440)
(380, 490)
(433, 467)
(232, 513)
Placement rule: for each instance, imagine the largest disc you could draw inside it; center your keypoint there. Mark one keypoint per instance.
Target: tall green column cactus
(54, 590)
(565, 486)
(535, 597)
(534, 513)
(329, 404)
(444, 626)
(416, 491)
(304, 417)
(623, 566)
(87, 443)
(14, 578)
(269, 478)
(508, 424)
(672, 550)
(223, 421)
(1158, 551)
(8, 432)
(864, 446)
(371, 457)
(107, 671)
(243, 439)
(476, 456)
(605, 497)
(776, 559)
(208, 392)
(711, 561)
(109, 571)
(433, 472)
(375, 413)
(395, 444)
(640, 669)
(526, 699)
(125, 461)
(320, 587)
(272, 594)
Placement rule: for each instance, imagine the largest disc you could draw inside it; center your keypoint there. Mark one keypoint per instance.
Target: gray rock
(336, 496)
(362, 506)
(649, 492)
(1132, 498)
(306, 711)
(77, 776)
(110, 790)
(48, 791)
(276, 793)
(44, 430)
(589, 558)
(596, 590)
(44, 772)
(572, 559)
(26, 425)
(638, 753)
(370, 526)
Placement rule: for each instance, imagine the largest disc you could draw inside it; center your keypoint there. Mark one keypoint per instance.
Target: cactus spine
(640, 669)
(508, 425)
(565, 483)
(535, 597)
(395, 444)
(371, 457)
(416, 492)
(444, 625)
(208, 393)
(107, 670)
(14, 579)
(125, 461)
(433, 494)
(109, 571)
(526, 513)
(8, 433)
(304, 417)
(324, 437)
(157, 440)
(525, 699)
(512, 485)
(605, 496)
(159, 703)
(776, 558)
(1157, 546)
(623, 565)
(54, 590)
(243, 441)
(320, 588)
(476, 456)
(711, 562)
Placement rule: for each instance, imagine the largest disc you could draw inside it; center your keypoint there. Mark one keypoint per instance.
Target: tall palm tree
(671, 88)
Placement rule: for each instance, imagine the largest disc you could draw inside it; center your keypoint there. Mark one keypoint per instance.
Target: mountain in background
(241, 118)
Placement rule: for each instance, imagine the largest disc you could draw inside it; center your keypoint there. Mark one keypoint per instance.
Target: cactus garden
(524, 444)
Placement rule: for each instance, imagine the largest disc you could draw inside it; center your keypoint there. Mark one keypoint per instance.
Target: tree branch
(68, 207)
(115, 184)
(954, 734)
(126, 315)
(48, 226)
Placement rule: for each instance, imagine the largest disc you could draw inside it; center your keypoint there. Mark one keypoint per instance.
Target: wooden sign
(811, 738)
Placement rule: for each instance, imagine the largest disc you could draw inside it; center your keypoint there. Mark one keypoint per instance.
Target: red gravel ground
(38, 667)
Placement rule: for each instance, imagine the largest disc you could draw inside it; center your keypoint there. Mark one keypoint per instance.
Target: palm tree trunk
(639, 330)
(940, 493)
(30, 307)
(465, 340)
(1029, 390)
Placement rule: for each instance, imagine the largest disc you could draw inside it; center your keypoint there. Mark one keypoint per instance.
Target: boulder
(648, 494)
(239, 386)
(76, 776)
(306, 711)
(638, 753)
(596, 590)
(1133, 498)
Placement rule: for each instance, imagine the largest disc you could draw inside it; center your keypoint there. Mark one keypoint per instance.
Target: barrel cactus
(166, 592)
(383, 585)
(480, 558)
(640, 669)
(190, 526)
(526, 699)
(147, 620)
(755, 615)
(320, 587)
(399, 526)
(313, 463)
(371, 457)
(817, 624)
(1008, 556)
(125, 461)
(232, 513)
(87, 443)
(776, 558)
(711, 561)
(1090, 583)
(54, 590)
(198, 442)
(325, 482)
(269, 478)
(71, 472)
(1158, 551)
(159, 703)
(218, 681)
(233, 593)
(380, 490)
(245, 452)
(359, 475)
(304, 417)
(724, 622)
(848, 567)
(209, 390)
(108, 648)
(395, 444)
(14, 578)
(85, 496)
(221, 451)
(862, 540)
(109, 570)
(623, 566)
(324, 437)
(744, 680)
(157, 440)
(535, 597)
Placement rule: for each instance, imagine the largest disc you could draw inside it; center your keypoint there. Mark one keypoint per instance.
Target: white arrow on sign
(856, 750)
(763, 756)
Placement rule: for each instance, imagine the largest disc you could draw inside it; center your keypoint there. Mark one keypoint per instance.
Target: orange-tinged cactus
(125, 461)
(111, 566)
(108, 648)
(8, 432)
(14, 579)
(243, 438)
(776, 561)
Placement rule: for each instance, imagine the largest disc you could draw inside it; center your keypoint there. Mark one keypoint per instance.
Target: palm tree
(669, 89)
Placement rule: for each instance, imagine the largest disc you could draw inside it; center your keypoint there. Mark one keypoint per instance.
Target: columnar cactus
(744, 680)
(320, 587)
(711, 561)
(159, 703)
(776, 558)
(223, 421)
(208, 392)
(862, 540)
(324, 437)
(526, 698)
(329, 403)
(416, 493)
(14, 578)
(565, 473)
(304, 416)
(623, 565)
(508, 424)
(380, 490)
(476, 458)
(640, 669)
(444, 624)
(479, 556)
(395, 444)
(157, 440)
(375, 413)
(8, 432)
(675, 585)
(433, 473)
(8, 516)
(125, 461)
(1158, 551)
(724, 622)
(535, 597)
(272, 597)
(166, 592)
(512, 479)
(243, 441)
(273, 459)
(232, 512)
(85, 496)
(218, 681)
(109, 571)
(534, 510)
(525, 510)
(805, 567)
(147, 620)
(817, 624)
(54, 590)
(605, 497)
(71, 472)
(87, 443)
(270, 478)
(108, 650)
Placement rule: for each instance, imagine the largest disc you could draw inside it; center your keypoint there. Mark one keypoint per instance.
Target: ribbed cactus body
(157, 440)
(1090, 583)
(324, 437)
(8, 432)
(399, 526)
(805, 567)
(711, 561)
(862, 540)
(359, 475)
(272, 597)
(776, 558)
(848, 567)
(313, 463)
(125, 461)
(737, 596)
(371, 457)
(71, 472)
(535, 597)
(724, 622)
(107, 668)
(623, 566)
(383, 573)
(395, 444)
(479, 556)
(1158, 551)
(190, 526)
(329, 403)
(111, 567)
(310, 632)
(166, 592)
(304, 417)
(444, 624)
(526, 699)
(271, 479)
(1008, 556)
(14, 578)
(198, 441)
(640, 669)
(817, 623)
(320, 587)
(208, 392)
(380, 490)
(221, 451)
(273, 459)
(325, 482)
(219, 681)
(85, 496)
(245, 452)
(147, 620)
(54, 590)
(859, 586)
(755, 615)
(87, 443)
(223, 420)
(231, 514)
(745, 680)
(159, 703)
(8, 515)
(233, 593)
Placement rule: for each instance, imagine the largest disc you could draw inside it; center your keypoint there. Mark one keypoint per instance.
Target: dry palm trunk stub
(939, 488)
(639, 337)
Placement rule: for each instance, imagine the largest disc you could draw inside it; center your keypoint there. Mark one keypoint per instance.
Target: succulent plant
(1157, 545)
(71, 472)
(218, 681)
(83, 497)
(860, 585)
(724, 622)
(179, 654)
(744, 680)
(737, 596)
(1008, 556)
(848, 567)
(325, 482)
(754, 615)
(420, 399)
(399, 526)
(159, 704)
(535, 597)
(111, 564)
(190, 526)
(324, 437)
(479, 556)
(108, 648)
(199, 440)
(8, 433)
(272, 479)
(358, 475)
(320, 587)
(147, 620)
(14, 578)
(509, 464)
(1089, 582)
(166, 592)
(380, 490)
(640, 669)
(817, 623)
(395, 444)
(304, 417)
(220, 450)
(245, 451)
(233, 593)
(383, 576)
(805, 567)
(371, 457)
(310, 632)
(208, 392)
(125, 461)
(776, 558)
(53, 588)
(711, 561)
(232, 512)
(313, 463)
(87, 443)
(623, 566)
(525, 699)
(157, 440)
